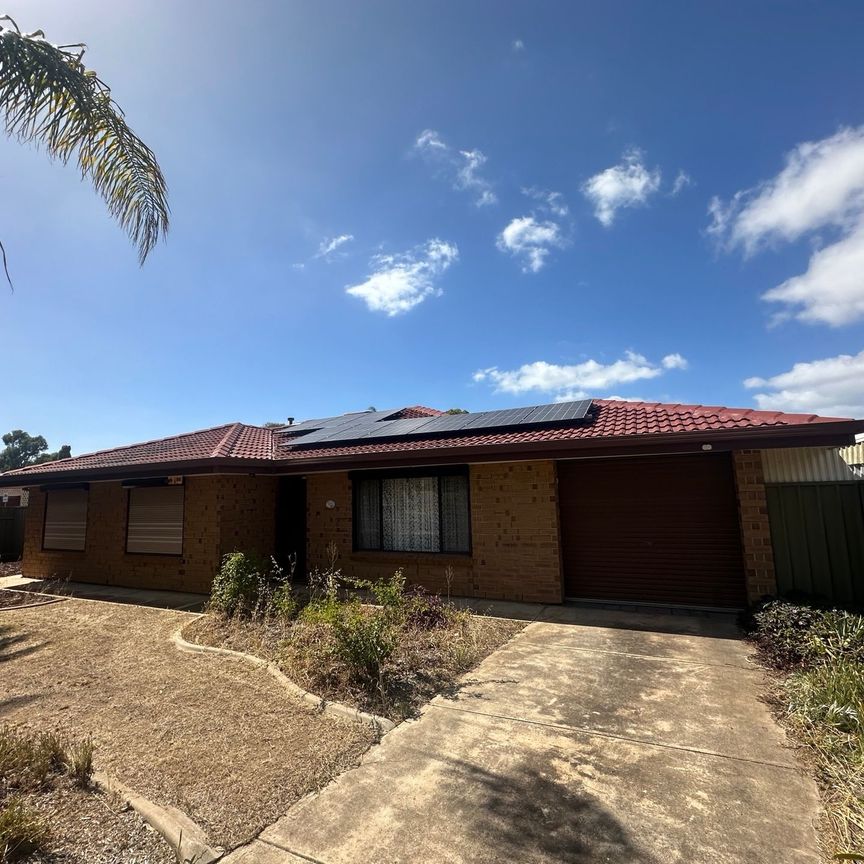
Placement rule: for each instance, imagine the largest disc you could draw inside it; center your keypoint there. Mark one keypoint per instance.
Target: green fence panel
(817, 531)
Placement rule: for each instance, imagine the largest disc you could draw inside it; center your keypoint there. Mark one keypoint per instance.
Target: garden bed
(817, 694)
(388, 657)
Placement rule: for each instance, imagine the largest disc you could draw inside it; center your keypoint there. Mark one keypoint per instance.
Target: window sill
(406, 557)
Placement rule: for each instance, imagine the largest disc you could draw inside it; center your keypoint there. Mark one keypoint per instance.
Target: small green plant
(835, 635)
(388, 593)
(22, 830)
(782, 632)
(284, 602)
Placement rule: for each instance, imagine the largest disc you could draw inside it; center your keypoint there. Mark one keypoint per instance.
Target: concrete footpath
(594, 736)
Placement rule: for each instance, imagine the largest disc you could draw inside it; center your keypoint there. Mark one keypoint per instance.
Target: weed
(80, 762)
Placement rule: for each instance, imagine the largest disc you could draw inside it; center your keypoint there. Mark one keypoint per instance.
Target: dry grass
(9, 598)
(425, 662)
(211, 735)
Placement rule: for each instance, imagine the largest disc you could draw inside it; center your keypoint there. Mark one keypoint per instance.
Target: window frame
(81, 487)
(144, 484)
(406, 474)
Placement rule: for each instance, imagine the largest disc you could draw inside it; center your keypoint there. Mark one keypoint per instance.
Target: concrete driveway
(593, 736)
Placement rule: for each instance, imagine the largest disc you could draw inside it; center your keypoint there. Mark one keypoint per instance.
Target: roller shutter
(658, 529)
(65, 519)
(155, 520)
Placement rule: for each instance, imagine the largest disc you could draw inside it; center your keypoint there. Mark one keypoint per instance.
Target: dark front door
(659, 529)
(291, 524)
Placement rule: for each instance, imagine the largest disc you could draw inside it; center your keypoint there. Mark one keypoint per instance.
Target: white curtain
(411, 514)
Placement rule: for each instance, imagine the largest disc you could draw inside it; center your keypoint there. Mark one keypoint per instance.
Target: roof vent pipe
(290, 421)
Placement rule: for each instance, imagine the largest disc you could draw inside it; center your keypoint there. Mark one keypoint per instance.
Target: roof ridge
(125, 447)
(227, 440)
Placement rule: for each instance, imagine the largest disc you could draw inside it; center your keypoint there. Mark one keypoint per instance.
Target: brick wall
(221, 513)
(514, 525)
(755, 528)
(514, 521)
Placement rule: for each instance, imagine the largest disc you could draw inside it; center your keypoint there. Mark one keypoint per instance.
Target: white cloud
(821, 187)
(402, 281)
(531, 241)
(328, 247)
(552, 201)
(517, 46)
(674, 361)
(575, 381)
(682, 181)
(628, 184)
(462, 166)
(832, 387)
(831, 291)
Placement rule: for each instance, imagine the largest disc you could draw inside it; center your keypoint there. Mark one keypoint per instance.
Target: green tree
(49, 98)
(455, 411)
(22, 449)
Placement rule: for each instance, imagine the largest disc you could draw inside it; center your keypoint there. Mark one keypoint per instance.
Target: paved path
(601, 736)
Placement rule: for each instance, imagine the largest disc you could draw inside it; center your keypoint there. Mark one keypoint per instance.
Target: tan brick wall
(221, 513)
(755, 528)
(514, 524)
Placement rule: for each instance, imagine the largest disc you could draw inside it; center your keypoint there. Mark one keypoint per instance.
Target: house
(592, 500)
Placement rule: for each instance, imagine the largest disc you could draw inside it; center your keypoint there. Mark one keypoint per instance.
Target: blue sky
(542, 200)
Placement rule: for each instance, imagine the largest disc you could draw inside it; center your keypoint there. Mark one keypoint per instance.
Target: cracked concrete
(595, 735)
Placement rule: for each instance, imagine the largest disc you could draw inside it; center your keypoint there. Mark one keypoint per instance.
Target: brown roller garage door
(660, 529)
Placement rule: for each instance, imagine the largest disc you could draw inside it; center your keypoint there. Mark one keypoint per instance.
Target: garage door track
(593, 736)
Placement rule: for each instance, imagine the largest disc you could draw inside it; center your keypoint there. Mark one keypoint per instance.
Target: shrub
(22, 830)
(27, 759)
(783, 632)
(425, 611)
(322, 610)
(388, 593)
(364, 639)
(238, 584)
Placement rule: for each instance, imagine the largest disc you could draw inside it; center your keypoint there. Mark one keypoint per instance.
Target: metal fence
(818, 536)
(11, 533)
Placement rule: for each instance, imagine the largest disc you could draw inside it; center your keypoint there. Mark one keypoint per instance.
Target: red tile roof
(415, 412)
(608, 419)
(611, 418)
(231, 441)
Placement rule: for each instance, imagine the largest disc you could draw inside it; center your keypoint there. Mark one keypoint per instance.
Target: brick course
(221, 513)
(514, 533)
(755, 527)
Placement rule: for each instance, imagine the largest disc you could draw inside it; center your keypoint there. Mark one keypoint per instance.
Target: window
(65, 519)
(155, 520)
(412, 513)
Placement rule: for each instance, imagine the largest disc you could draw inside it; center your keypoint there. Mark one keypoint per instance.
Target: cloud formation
(399, 282)
(462, 167)
(328, 247)
(832, 387)
(531, 241)
(579, 380)
(628, 184)
(820, 188)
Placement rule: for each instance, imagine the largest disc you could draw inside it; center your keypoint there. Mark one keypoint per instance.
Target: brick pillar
(755, 528)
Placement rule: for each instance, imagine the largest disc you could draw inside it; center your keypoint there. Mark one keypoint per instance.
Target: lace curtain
(410, 511)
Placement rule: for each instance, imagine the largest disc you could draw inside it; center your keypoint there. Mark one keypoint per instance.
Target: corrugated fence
(816, 508)
(11, 533)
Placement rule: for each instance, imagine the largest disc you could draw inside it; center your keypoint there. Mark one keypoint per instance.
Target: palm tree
(49, 98)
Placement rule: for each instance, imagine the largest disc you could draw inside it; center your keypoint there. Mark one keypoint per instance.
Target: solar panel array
(375, 425)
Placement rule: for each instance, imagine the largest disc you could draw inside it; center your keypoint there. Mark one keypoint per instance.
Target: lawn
(211, 735)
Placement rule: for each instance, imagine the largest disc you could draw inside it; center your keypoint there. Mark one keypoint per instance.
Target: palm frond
(49, 98)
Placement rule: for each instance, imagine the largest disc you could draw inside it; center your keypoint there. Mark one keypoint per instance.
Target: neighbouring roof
(603, 421)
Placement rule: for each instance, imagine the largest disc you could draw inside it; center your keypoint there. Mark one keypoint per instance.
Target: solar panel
(374, 425)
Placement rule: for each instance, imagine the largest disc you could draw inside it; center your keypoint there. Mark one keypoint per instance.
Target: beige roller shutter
(65, 519)
(155, 520)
